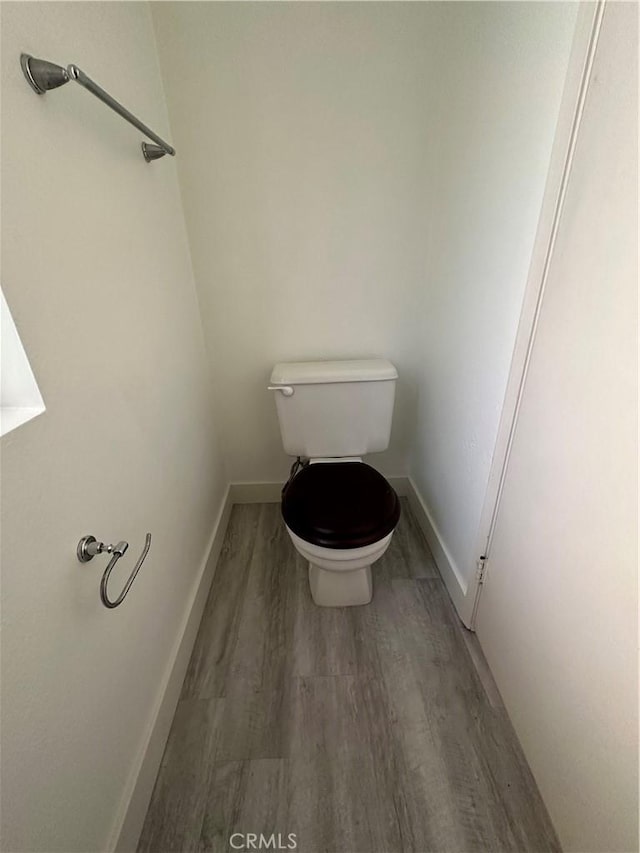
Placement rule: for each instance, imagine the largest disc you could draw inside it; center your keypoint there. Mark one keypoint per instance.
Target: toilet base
(341, 588)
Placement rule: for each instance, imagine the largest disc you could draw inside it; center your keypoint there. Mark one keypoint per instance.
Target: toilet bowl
(340, 577)
(340, 512)
(340, 517)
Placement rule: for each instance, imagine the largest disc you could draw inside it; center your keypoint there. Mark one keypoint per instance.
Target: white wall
(558, 617)
(97, 273)
(504, 68)
(365, 179)
(307, 134)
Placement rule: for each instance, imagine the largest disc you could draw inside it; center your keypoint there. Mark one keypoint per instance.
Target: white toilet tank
(334, 408)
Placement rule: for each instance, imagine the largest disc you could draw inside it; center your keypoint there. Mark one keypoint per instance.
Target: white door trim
(573, 100)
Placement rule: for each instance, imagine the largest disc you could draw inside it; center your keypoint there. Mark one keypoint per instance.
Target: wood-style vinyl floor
(369, 729)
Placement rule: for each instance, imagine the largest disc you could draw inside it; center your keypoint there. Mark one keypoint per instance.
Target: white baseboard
(457, 588)
(125, 838)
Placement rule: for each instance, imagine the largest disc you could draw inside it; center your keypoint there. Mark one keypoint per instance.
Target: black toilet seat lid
(340, 505)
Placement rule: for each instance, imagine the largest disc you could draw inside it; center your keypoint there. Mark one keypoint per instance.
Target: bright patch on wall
(20, 398)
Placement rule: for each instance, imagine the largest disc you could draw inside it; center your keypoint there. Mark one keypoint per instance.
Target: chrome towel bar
(87, 549)
(43, 76)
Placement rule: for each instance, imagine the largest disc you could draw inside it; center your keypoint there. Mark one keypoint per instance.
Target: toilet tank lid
(319, 372)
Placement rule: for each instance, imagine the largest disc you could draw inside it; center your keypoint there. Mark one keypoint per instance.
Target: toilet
(339, 511)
